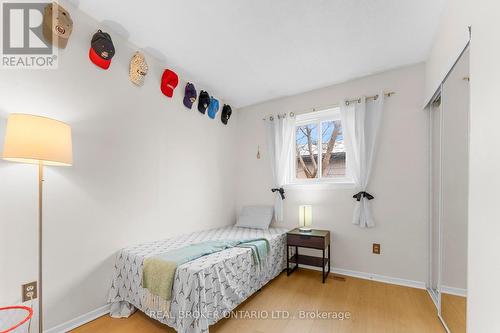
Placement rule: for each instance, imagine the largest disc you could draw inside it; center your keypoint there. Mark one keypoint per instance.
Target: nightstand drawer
(307, 241)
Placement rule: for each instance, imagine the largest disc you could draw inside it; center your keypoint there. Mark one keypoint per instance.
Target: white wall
(484, 180)
(450, 40)
(145, 168)
(399, 183)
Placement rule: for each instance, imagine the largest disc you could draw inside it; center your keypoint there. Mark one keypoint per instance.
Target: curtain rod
(373, 97)
(358, 100)
(279, 115)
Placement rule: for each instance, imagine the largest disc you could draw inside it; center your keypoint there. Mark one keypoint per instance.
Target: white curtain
(361, 122)
(279, 143)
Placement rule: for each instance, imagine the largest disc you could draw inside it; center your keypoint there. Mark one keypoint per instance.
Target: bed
(206, 289)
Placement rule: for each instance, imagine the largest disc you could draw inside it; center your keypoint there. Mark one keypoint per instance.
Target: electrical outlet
(376, 248)
(30, 291)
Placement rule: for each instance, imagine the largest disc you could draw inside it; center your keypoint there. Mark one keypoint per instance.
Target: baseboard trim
(433, 298)
(380, 278)
(79, 321)
(374, 277)
(454, 291)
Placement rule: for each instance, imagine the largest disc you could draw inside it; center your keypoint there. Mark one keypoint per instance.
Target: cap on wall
(213, 108)
(57, 25)
(203, 101)
(189, 95)
(226, 114)
(138, 69)
(169, 81)
(102, 49)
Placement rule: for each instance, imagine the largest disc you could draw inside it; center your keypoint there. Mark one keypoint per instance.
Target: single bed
(204, 290)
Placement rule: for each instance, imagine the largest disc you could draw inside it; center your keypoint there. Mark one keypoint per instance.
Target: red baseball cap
(169, 81)
(96, 59)
(102, 49)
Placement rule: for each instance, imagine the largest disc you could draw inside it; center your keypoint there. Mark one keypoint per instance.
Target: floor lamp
(43, 141)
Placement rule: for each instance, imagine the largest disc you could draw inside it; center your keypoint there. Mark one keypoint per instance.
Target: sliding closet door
(455, 157)
(435, 196)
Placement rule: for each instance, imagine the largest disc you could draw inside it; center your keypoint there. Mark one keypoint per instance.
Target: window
(319, 154)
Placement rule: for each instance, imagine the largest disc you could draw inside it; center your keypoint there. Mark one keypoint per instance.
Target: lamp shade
(34, 139)
(305, 216)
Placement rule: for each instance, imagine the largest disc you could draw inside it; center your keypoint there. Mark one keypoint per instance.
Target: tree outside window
(319, 150)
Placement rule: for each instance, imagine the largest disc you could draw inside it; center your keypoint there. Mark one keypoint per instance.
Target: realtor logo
(23, 43)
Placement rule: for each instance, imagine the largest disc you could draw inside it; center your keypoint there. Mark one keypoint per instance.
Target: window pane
(333, 157)
(306, 141)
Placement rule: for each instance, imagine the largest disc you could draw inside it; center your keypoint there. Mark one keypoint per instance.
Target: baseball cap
(57, 25)
(203, 101)
(213, 107)
(138, 69)
(226, 114)
(189, 95)
(169, 81)
(102, 49)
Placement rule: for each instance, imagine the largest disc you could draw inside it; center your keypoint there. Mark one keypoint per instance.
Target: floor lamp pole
(40, 246)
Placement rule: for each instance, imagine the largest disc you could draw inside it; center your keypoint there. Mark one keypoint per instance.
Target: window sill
(344, 184)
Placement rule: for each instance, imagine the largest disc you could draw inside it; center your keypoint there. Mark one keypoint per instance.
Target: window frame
(317, 118)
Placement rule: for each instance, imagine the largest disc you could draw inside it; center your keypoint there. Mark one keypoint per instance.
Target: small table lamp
(43, 141)
(305, 218)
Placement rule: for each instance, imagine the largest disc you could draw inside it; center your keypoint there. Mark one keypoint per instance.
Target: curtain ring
(292, 114)
(359, 100)
(271, 118)
(347, 103)
(375, 97)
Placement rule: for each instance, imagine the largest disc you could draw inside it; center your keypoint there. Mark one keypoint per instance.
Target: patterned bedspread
(205, 289)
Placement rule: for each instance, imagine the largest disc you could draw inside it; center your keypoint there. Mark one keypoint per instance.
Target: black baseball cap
(203, 101)
(101, 49)
(226, 113)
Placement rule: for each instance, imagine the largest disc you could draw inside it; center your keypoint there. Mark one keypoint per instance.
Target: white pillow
(256, 217)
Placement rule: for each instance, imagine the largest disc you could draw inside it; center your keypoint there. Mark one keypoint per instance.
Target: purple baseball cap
(189, 95)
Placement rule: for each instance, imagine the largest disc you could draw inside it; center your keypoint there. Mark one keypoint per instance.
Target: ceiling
(250, 51)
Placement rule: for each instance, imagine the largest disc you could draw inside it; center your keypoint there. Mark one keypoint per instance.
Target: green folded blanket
(260, 249)
(159, 271)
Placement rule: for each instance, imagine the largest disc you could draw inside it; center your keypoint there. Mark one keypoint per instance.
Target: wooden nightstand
(316, 239)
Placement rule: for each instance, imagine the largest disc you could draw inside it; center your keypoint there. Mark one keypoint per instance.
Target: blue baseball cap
(213, 107)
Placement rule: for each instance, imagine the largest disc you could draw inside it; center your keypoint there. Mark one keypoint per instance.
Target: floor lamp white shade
(43, 141)
(35, 139)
